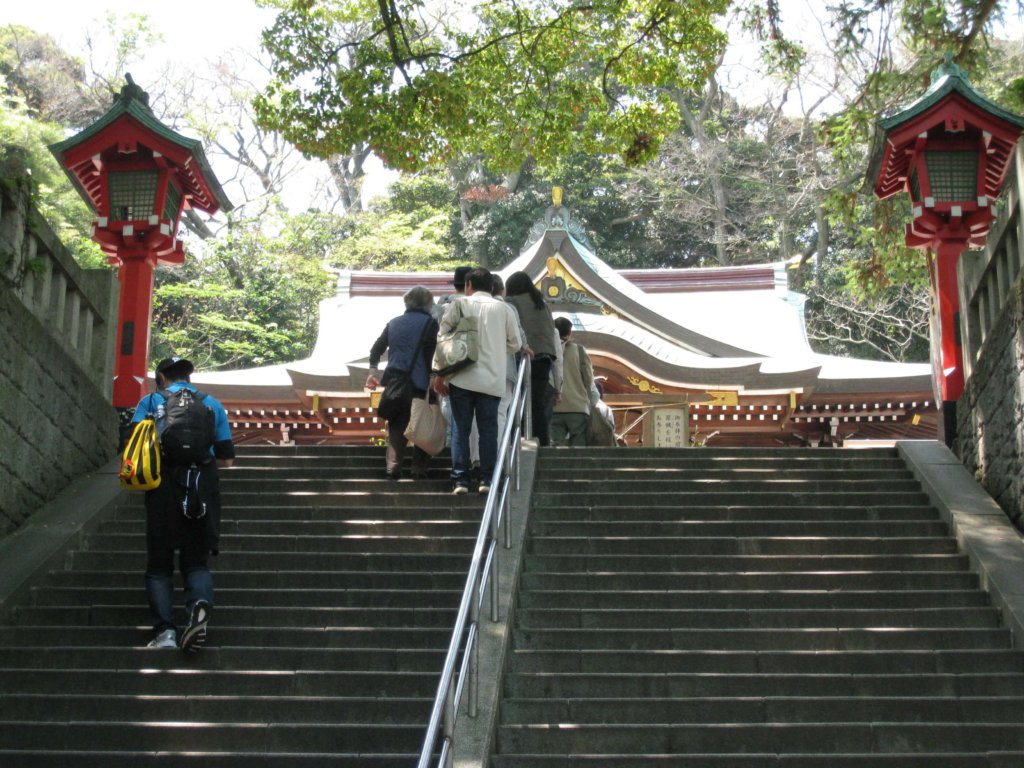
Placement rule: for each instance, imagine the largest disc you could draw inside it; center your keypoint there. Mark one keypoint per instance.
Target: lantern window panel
(132, 194)
(172, 204)
(952, 176)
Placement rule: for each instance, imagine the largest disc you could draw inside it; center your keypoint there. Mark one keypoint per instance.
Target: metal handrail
(481, 580)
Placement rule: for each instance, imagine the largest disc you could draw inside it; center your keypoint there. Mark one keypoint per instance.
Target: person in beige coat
(475, 391)
(572, 409)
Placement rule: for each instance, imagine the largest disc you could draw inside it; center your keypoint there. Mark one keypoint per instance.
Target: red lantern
(139, 176)
(950, 152)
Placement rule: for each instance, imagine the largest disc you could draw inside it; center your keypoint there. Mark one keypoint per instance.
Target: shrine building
(686, 356)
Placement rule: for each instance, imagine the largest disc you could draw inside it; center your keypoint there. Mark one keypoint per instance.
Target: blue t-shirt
(149, 404)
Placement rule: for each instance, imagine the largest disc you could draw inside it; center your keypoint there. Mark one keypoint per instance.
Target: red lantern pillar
(947, 292)
(134, 313)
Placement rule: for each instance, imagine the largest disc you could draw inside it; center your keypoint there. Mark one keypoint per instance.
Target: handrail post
(483, 572)
(449, 723)
(474, 664)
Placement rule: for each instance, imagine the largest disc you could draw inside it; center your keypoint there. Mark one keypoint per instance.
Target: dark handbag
(397, 395)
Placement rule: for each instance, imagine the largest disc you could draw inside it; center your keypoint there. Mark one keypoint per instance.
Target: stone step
(326, 513)
(600, 544)
(641, 455)
(283, 582)
(741, 563)
(297, 542)
(830, 483)
(752, 618)
(85, 758)
(107, 560)
(174, 736)
(600, 685)
(206, 708)
(267, 598)
(750, 599)
(905, 663)
(162, 678)
(816, 638)
(769, 709)
(775, 738)
(223, 635)
(767, 528)
(594, 494)
(434, 490)
(1001, 759)
(361, 470)
(441, 528)
(768, 472)
(814, 578)
(383, 495)
(749, 512)
(258, 617)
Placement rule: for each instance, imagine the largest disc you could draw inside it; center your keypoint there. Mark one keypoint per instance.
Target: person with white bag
(409, 340)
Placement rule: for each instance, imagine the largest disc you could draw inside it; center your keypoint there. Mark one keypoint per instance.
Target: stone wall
(56, 357)
(990, 415)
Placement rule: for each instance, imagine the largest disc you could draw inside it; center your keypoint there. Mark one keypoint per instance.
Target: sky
(207, 26)
(192, 30)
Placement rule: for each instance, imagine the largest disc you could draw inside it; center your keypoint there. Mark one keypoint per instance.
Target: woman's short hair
(418, 297)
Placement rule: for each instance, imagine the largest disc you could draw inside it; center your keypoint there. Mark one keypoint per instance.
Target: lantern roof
(950, 92)
(131, 113)
(949, 78)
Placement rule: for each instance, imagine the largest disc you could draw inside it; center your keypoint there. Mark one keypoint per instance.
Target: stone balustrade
(990, 415)
(57, 337)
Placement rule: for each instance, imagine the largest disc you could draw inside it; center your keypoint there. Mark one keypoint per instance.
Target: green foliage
(410, 230)
(24, 153)
(529, 80)
(251, 300)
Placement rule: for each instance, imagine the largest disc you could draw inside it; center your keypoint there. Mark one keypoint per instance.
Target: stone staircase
(336, 591)
(750, 608)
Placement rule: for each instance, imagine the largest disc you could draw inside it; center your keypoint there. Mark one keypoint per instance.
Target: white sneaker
(166, 639)
(459, 490)
(484, 489)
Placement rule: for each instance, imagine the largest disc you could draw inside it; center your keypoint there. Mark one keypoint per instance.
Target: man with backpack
(183, 512)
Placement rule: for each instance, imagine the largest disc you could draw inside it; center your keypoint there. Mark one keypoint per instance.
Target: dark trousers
(468, 405)
(542, 398)
(168, 531)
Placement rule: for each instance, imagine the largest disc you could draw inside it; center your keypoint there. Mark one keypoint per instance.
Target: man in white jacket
(475, 391)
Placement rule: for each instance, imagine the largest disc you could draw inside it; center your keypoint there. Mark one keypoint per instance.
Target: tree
(251, 300)
(510, 81)
(43, 77)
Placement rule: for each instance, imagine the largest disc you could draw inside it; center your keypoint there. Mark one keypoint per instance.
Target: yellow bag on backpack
(140, 462)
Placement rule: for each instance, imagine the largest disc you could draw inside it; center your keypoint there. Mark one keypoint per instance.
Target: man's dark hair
(564, 326)
(480, 279)
(497, 284)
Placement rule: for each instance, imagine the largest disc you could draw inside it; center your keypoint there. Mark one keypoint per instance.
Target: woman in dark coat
(542, 339)
(400, 338)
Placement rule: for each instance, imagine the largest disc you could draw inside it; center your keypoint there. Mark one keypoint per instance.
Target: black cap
(176, 363)
(459, 281)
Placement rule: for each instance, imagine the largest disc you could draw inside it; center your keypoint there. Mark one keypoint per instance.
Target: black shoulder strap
(419, 344)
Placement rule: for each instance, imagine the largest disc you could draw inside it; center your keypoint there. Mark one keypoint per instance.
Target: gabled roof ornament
(557, 218)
